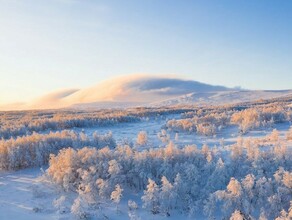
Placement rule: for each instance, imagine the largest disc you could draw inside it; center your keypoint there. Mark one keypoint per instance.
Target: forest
(91, 170)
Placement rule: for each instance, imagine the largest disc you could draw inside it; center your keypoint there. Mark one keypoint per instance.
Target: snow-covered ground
(24, 196)
(127, 132)
(16, 195)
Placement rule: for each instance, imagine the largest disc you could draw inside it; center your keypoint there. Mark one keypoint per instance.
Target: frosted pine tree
(179, 188)
(117, 195)
(142, 138)
(248, 185)
(79, 209)
(166, 196)
(237, 215)
(231, 197)
(59, 204)
(151, 197)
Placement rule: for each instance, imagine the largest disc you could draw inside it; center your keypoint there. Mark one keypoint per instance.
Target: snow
(23, 196)
(222, 97)
(128, 132)
(28, 194)
(16, 197)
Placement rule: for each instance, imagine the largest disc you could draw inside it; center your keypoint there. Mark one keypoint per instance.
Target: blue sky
(50, 45)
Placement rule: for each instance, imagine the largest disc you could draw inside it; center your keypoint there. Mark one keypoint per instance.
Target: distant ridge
(145, 90)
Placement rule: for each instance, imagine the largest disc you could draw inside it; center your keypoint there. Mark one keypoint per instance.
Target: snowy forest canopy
(249, 178)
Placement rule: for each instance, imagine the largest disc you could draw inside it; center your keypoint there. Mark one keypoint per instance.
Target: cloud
(136, 88)
(172, 86)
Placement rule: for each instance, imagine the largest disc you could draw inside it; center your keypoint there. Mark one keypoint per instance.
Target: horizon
(67, 44)
(126, 91)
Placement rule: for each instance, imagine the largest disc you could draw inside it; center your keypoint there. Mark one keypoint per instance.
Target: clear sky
(46, 45)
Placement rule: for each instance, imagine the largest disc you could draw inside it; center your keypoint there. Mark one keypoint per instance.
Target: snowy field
(234, 164)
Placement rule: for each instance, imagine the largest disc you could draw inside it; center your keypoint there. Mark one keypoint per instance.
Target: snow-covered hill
(145, 90)
(223, 97)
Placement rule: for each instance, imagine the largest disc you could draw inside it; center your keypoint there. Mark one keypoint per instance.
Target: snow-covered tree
(117, 195)
(79, 209)
(166, 196)
(237, 215)
(151, 197)
(60, 205)
(231, 197)
(163, 136)
(142, 138)
(274, 136)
